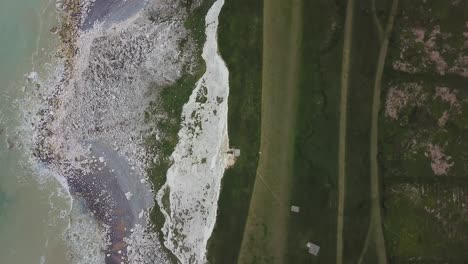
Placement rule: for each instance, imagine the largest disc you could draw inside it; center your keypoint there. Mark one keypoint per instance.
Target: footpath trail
(265, 233)
(375, 232)
(376, 214)
(342, 129)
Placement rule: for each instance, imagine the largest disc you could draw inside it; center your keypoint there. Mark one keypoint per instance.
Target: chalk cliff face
(200, 157)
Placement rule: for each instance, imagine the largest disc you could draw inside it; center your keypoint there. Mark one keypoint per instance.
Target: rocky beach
(87, 118)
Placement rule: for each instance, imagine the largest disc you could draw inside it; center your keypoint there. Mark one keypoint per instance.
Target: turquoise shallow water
(32, 209)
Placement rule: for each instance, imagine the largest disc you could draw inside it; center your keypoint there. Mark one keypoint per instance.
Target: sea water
(34, 206)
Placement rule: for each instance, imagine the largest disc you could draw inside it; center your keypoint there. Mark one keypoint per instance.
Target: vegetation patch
(165, 110)
(423, 123)
(426, 222)
(240, 44)
(314, 174)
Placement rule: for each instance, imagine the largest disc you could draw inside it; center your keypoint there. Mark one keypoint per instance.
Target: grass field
(265, 234)
(313, 175)
(240, 43)
(423, 215)
(425, 220)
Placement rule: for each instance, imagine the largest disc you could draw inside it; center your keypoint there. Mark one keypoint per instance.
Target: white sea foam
(194, 179)
(86, 239)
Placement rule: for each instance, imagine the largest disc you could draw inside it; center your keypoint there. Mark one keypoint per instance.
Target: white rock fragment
(33, 76)
(128, 195)
(140, 215)
(101, 159)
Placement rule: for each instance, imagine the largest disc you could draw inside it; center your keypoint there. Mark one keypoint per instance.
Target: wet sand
(104, 192)
(109, 11)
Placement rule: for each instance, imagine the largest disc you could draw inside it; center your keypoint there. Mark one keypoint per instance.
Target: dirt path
(376, 214)
(342, 129)
(265, 234)
(375, 230)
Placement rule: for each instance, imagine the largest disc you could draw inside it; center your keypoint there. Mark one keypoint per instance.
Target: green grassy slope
(240, 43)
(424, 215)
(315, 159)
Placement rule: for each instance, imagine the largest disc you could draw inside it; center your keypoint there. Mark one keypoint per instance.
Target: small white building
(236, 152)
(232, 155)
(312, 248)
(295, 209)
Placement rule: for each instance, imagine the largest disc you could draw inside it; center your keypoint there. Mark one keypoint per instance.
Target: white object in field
(295, 209)
(313, 249)
(236, 152)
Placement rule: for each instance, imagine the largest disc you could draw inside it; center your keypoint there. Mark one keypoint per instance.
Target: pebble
(128, 195)
(140, 215)
(9, 143)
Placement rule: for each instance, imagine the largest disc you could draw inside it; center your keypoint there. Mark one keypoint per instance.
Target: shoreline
(35, 205)
(76, 140)
(94, 172)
